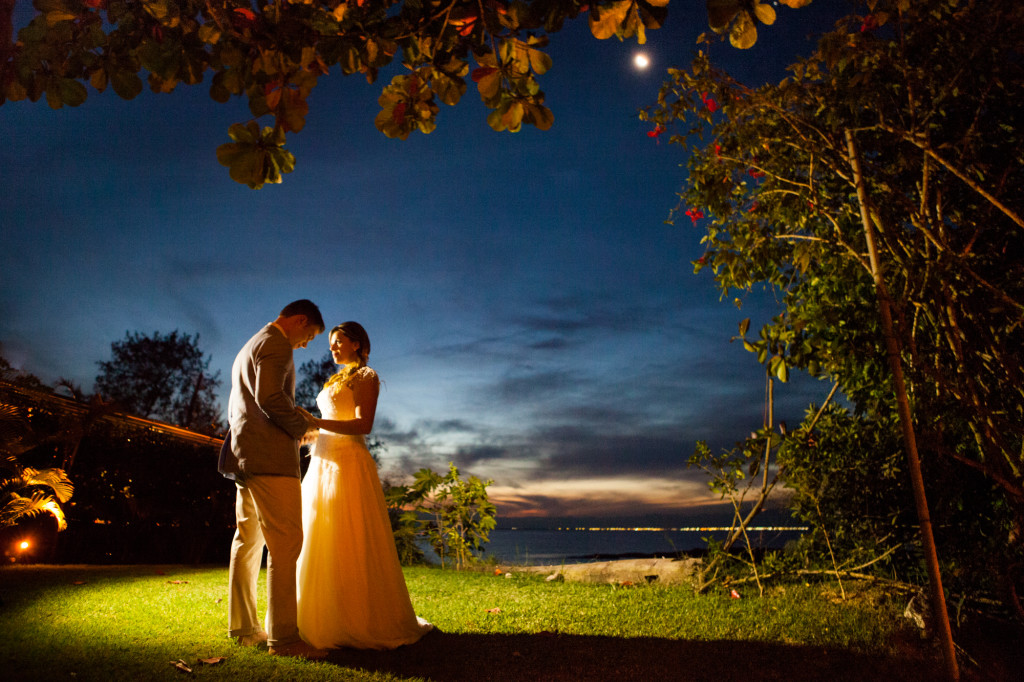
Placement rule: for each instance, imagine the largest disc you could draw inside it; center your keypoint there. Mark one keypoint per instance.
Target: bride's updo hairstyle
(355, 332)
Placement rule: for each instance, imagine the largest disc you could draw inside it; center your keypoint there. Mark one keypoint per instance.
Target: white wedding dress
(351, 590)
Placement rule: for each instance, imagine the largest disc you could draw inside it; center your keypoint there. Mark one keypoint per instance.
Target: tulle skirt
(351, 590)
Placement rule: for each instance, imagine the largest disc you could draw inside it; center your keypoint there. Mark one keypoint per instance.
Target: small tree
(455, 514)
(163, 377)
(404, 529)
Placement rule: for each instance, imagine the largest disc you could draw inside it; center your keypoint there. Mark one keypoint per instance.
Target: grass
(131, 622)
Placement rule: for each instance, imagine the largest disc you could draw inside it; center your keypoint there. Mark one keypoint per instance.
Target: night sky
(533, 318)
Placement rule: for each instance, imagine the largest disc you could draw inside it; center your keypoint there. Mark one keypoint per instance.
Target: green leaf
(449, 90)
(540, 116)
(210, 33)
(255, 158)
(241, 132)
(218, 92)
(72, 92)
(781, 370)
(55, 11)
(489, 86)
(53, 97)
(513, 117)
(605, 20)
(540, 62)
(744, 32)
(158, 9)
(722, 12)
(764, 13)
(126, 84)
(99, 80)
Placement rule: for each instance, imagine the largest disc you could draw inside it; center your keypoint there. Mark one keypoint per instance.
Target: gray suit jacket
(265, 426)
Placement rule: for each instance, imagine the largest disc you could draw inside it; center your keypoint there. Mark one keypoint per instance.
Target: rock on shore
(624, 571)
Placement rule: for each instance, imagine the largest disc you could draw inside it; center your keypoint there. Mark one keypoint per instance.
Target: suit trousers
(268, 512)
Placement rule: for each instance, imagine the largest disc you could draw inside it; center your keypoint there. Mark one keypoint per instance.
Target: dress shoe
(255, 639)
(300, 649)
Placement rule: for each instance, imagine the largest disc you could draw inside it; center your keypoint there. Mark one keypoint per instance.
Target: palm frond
(56, 479)
(17, 507)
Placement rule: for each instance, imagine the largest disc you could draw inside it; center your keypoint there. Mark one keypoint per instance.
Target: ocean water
(542, 547)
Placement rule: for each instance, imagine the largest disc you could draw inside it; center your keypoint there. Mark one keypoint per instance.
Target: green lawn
(131, 622)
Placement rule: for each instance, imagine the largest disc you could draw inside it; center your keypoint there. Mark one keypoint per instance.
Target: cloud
(605, 498)
(589, 406)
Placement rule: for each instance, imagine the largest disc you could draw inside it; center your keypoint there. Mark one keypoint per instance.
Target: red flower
(658, 130)
(755, 173)
(709, 102)
(243, 18)
(702, 260)
(718, 151)
(499, 7)
(870, 23)
(753, 207)
(464, 26)
(695, 214)
(95, 4)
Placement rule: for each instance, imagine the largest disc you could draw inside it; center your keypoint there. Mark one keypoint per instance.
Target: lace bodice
(336, 400)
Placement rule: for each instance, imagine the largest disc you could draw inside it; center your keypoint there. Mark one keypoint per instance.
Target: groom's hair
(304, 307)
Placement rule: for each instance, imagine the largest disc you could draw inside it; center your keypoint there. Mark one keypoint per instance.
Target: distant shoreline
(641, 529)
(587, 545)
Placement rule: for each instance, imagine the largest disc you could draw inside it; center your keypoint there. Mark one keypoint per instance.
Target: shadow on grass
(444, 657)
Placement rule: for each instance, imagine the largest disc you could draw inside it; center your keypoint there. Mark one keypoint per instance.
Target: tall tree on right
(931, 93)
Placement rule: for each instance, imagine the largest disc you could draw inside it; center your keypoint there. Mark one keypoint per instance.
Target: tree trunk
(892, 347)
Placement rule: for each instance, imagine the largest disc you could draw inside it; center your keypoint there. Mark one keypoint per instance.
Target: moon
(641, 60)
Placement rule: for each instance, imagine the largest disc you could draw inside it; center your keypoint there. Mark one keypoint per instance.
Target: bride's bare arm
(365, 396)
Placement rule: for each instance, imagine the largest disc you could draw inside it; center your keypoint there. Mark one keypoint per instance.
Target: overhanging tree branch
(945, 163)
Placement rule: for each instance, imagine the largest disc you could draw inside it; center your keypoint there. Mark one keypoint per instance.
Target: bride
(351, 591)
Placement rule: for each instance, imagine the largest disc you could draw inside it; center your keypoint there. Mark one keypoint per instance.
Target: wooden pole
(892, 350)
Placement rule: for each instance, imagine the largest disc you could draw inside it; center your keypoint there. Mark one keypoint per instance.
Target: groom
(261, 454)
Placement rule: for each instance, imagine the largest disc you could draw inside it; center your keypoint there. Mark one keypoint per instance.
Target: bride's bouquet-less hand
(312, 429)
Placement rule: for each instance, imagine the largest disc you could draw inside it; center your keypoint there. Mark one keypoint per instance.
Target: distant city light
(24, 544)
(687, 528)
(641, 60)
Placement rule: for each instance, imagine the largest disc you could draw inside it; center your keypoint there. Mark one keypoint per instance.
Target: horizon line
(678, 529)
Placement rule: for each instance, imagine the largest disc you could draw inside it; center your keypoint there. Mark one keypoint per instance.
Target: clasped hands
(312, 427)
